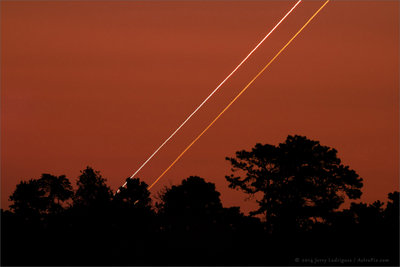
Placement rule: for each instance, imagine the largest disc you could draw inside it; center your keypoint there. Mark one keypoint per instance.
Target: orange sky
(104, 83)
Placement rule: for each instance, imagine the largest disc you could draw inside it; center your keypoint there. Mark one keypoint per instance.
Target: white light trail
(237, 96)
(212, 93)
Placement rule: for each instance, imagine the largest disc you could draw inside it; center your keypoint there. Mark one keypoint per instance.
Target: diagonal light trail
(212, 93)
(241, 92)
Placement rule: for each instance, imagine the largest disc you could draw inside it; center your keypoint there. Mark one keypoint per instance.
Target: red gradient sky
(104, 83)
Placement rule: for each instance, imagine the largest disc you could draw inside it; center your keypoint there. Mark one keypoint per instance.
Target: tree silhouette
(194, 196)
(134, 223)
(90, 218)
(301, 181)
(194, 222)
(42, 196)
(92, 190)
(28, 199)
(135, 194)
(189, 208)
(58, 191)
(391, 226)
(39, 206)
(370, 229)
(190, 226)
(392, 208)
(360, 217)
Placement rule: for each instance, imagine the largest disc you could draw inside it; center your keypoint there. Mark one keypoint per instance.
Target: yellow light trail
(241, 92)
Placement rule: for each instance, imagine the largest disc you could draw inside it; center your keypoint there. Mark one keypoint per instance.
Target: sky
(104, 83)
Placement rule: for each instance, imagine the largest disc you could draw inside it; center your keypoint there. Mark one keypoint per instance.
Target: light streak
(212, 93)
(241, 92)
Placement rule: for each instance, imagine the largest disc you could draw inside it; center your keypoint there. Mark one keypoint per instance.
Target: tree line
(299, 185)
